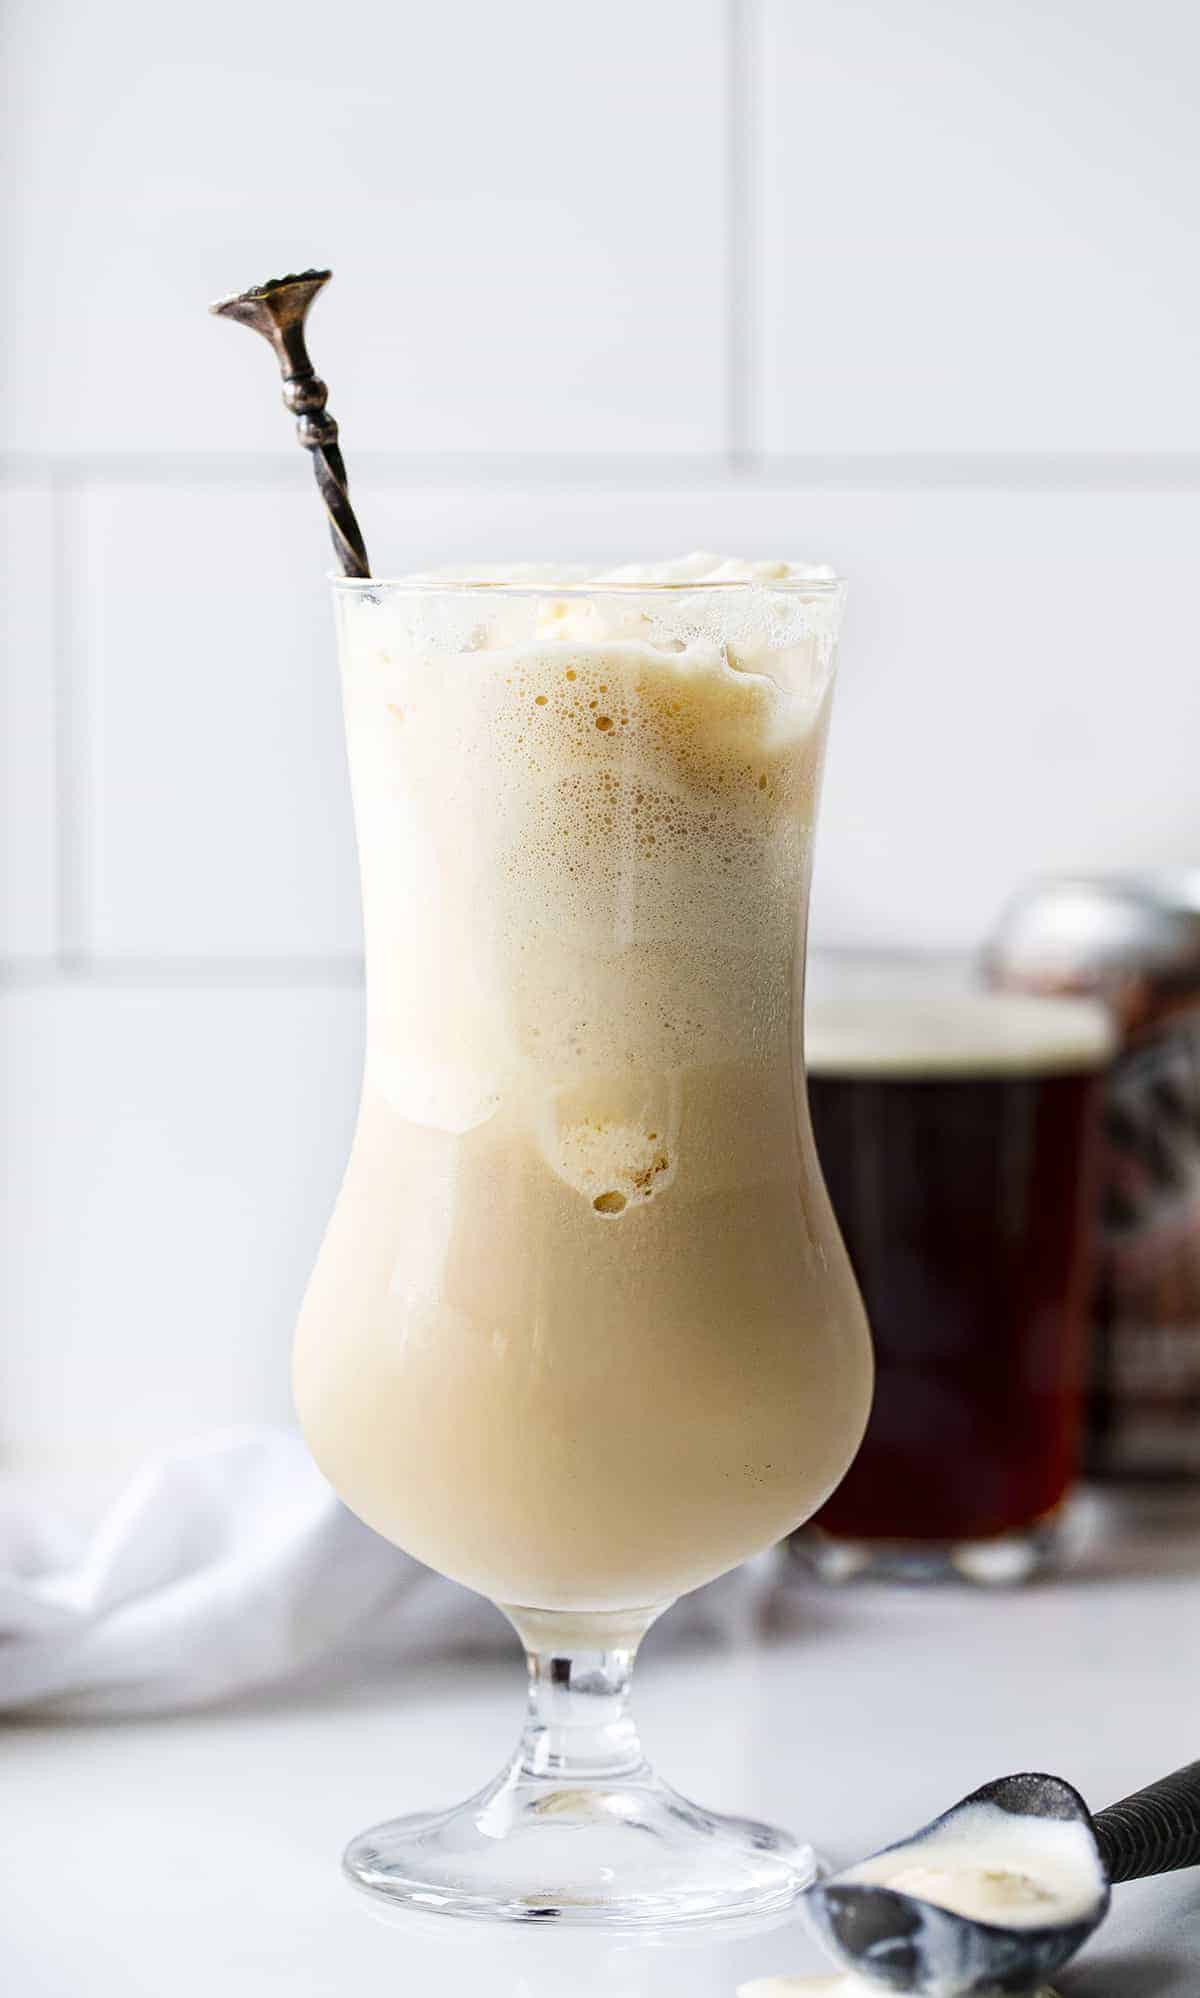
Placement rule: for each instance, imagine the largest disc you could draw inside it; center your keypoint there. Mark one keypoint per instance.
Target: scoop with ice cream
(996, 1894)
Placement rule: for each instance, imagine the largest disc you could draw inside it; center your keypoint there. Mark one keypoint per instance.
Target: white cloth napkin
(227, 1565)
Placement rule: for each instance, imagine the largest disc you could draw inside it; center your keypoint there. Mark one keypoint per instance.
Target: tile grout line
(333, 972)
(743, 316)
(70, 730)
(908, 471)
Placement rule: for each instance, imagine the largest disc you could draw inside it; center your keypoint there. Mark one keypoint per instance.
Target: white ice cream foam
(905, 1035)
(699, 567)
(748, 612)
(442, 1096)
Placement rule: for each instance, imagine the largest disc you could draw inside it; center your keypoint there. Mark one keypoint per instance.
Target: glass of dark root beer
(957, 1130)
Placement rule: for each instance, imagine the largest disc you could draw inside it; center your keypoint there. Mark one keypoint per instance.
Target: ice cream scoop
(996, 1894)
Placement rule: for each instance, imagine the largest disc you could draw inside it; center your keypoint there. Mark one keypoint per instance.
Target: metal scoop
(902, 1942)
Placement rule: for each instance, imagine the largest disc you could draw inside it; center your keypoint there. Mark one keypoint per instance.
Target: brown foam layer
(955, 1034)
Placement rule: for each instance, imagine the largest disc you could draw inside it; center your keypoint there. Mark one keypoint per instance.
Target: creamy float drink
(582, 1333)
(576, 1337)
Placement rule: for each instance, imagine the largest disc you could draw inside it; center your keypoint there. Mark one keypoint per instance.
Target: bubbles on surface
(619, 821)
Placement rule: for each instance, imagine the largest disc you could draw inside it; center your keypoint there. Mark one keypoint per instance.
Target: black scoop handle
(1157, 1830)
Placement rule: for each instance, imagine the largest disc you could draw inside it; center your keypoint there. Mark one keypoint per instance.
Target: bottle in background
(1135, 941)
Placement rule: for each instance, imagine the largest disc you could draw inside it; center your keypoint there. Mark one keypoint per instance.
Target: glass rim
(484, 586)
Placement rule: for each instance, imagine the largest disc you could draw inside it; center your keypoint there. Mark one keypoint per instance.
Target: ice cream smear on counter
(828, 1987)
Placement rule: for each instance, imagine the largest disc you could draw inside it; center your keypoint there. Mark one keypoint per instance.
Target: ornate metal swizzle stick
(277, 310)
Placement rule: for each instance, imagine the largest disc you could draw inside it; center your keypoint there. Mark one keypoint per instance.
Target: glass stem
(578, 1727)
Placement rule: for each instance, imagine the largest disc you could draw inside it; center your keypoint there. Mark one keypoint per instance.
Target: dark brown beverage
(956, 1140)
(1134, 940)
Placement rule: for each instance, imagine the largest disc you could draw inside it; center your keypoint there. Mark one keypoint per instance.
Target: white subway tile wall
(173, 1155)
(911, 292)
(527, 207)
(29, 634)
(207, 664)
(978, 223)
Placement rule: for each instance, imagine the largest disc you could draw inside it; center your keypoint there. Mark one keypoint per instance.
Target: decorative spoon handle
(1157, 1830)
(277, 310)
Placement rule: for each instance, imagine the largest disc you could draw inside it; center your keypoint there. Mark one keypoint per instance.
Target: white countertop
(198, 1855)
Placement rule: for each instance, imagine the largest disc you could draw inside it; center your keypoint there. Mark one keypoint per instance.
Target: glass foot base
(625, 1853)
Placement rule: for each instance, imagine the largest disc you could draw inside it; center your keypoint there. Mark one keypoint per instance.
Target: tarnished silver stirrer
(277, 310)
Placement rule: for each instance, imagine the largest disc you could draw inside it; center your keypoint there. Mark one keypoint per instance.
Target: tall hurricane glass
(582, 1333)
